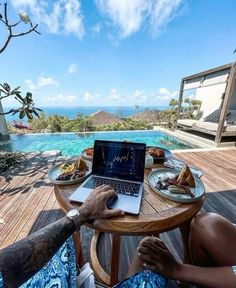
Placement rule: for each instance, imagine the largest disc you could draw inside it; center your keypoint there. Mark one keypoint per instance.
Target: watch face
(72, 213)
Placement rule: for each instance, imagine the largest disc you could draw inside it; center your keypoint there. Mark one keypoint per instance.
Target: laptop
(120, 165)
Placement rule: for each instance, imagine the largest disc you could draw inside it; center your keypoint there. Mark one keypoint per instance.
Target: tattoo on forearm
(23, 259)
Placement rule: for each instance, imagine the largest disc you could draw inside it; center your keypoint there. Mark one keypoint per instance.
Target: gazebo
(216, 89)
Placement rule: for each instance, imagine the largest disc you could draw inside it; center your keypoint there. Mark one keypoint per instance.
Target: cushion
(186, 122)
(213, 117)
(206, 125)
(231, 117)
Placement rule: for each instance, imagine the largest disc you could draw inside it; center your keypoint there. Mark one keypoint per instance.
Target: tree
(196, 104)
(187, 101)
(27, 104)
(173, 103)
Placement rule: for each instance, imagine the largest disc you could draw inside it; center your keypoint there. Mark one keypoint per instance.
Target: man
(23, 259)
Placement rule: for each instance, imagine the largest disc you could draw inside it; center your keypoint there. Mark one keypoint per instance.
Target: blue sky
(115, 52)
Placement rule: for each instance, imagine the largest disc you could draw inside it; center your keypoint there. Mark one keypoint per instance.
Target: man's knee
(205, 223)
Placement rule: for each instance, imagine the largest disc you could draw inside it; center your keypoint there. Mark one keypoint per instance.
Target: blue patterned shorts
(59, 272)
(144, 279)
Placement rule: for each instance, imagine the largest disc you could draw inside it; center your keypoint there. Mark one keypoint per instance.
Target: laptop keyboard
(121, 187)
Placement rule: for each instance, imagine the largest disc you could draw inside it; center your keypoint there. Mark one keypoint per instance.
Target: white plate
(55, 172)
(198, 191)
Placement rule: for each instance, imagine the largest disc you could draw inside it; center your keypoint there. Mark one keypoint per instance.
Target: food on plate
(176, 189)
(156, 152)
(67, 167)
(177, 184)
(72, 170)
(89, 152)
(71, 176)
(186, 177)
(82, 165)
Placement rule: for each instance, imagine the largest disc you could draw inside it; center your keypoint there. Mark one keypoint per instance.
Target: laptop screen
(122, 160)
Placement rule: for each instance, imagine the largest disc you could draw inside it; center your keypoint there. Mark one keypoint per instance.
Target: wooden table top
(157, 214)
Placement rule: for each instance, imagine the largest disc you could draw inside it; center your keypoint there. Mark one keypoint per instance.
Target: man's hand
(157, 257)
(95, 206)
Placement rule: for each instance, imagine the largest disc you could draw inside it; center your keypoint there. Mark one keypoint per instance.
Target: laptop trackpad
(127, 203)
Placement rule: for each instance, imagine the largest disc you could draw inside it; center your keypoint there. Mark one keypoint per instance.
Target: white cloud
(161, 13)
(114, 95)
(59, 100)
(140, 96)
(61, 16)
(126, 15)
(129, 16)
(72, 68)
(41, 82)
(164, 91)
(164, 94)
(88, 97)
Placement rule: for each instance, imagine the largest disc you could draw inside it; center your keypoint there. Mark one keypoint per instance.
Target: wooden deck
(27, 200)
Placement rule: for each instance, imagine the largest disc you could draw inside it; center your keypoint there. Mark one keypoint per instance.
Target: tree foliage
(56, 123)
(27, 104)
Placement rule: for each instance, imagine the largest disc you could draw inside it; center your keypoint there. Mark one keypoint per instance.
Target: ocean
(71, 112)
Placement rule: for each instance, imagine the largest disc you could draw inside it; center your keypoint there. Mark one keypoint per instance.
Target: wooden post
(115, 258)
(228, 94)
(180, 100)
(4, 133)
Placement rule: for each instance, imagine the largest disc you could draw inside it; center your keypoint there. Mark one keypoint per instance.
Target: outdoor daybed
(215, 89)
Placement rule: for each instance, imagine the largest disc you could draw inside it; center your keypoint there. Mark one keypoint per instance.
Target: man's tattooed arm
(23, 259)
(20, 261)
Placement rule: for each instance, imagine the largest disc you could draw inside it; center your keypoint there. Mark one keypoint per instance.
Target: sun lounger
(209, 124)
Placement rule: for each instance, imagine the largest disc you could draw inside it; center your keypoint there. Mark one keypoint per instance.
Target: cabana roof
(216, 90)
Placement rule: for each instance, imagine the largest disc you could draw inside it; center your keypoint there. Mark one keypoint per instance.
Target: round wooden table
(157, 214)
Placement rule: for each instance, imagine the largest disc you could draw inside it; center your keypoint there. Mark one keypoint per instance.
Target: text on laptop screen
(121, 160)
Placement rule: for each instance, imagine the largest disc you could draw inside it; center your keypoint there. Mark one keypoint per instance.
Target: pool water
(75, 143)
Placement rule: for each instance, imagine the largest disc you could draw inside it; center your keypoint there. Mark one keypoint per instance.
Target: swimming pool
(74, 143)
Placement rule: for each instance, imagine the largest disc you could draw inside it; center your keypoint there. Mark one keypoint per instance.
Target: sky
(114, 52)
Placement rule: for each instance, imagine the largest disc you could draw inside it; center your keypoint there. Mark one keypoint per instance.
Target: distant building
(101, 118)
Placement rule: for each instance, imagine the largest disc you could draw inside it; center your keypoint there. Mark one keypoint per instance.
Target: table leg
(185, 230)
(99, 272)
(115, 258)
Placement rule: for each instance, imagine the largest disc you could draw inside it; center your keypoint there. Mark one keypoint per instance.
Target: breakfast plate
(197, 191)
(56, 171)
(167, 154)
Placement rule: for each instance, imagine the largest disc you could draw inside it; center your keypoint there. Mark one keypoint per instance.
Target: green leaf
(6, 87)
(35, 113)
(28, 114)
(38, 109)
(21, 98)
(22, 114)
(16, 90)
(29, 95)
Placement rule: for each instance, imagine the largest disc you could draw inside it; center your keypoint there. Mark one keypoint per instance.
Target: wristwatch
(74, 215)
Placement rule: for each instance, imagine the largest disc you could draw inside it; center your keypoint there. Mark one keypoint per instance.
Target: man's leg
(135, 266)
(212, 241)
